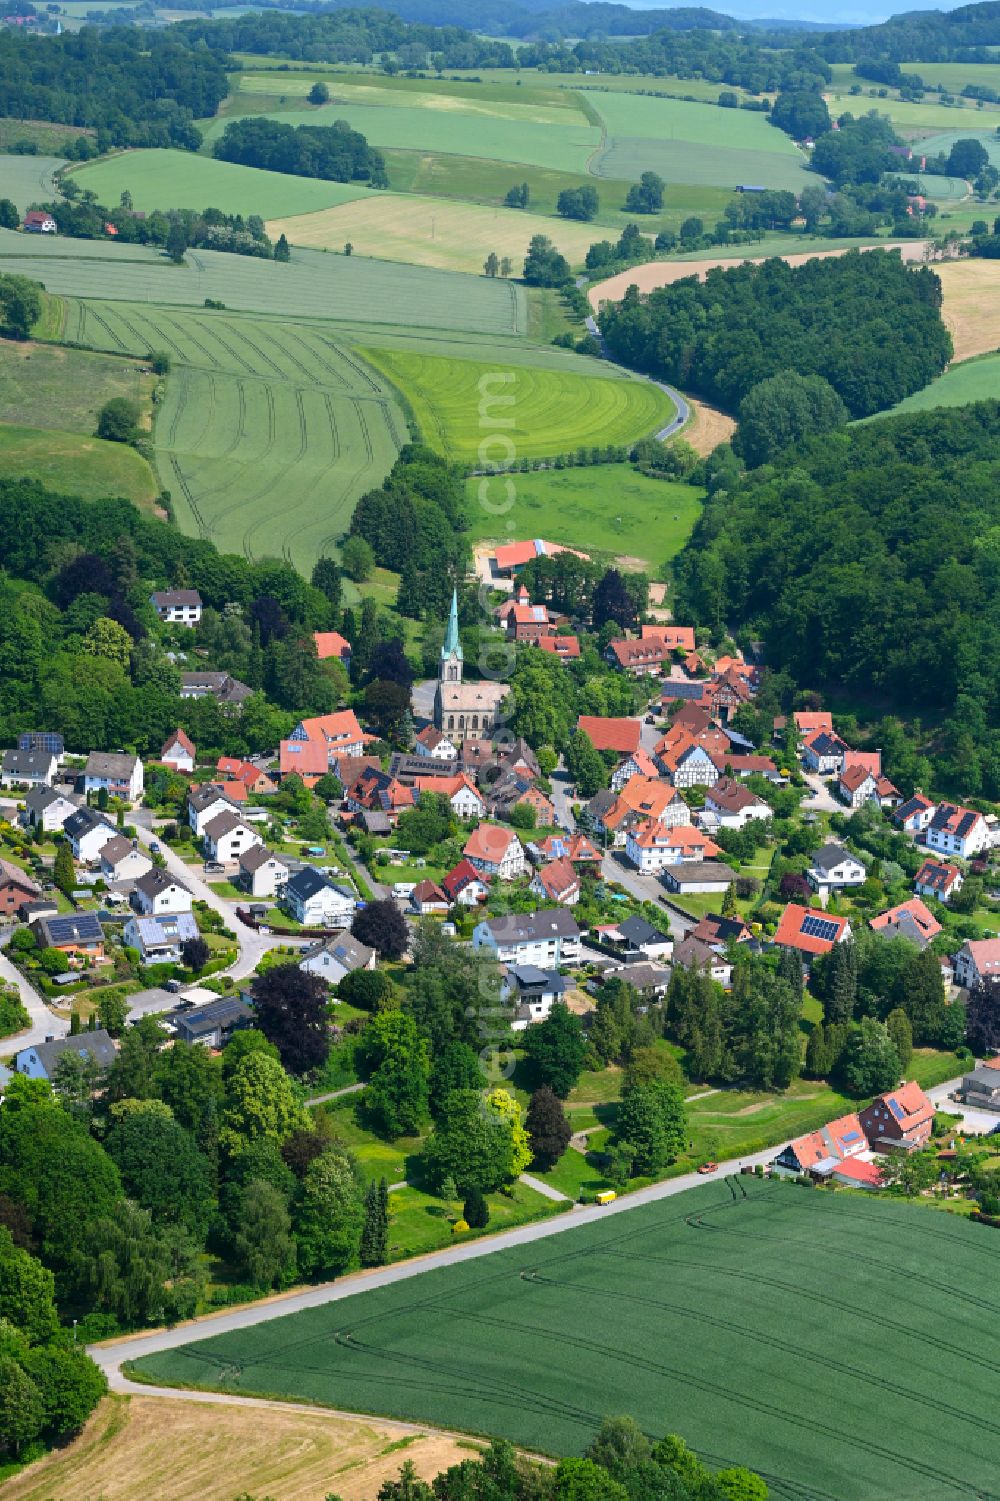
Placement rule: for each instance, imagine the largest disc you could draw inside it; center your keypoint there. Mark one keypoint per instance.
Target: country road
(683, 409)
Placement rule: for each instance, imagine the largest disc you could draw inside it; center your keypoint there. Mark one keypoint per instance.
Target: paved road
(644, 889)
(683, 409)
(334, 1094)
(974, 1121)
(820, 798)
(545, 1189)
(44, 1023)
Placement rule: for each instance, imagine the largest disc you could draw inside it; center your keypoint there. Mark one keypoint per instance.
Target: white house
(832, 868)
(938, 878)
(735, 805)
(206, 803)
(159, 939)
(114, 772)
(177, 606)
(533, 992)
(157, 893)
(651, 847)
(824, 752)
(27, 768)
(88, 833)
(495, 852)
(178, 752)
(123, 860)
(915, 814)
(548, 939)
(435, 745)
(48, 810)
(227, 837)
(465, 885)
(464, 796)
(339, 956)
(977, 961)
(263, 873)
(957, 831)
(315, 902)
(693, 767)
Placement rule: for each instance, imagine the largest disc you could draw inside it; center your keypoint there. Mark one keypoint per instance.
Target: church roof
(452, 645)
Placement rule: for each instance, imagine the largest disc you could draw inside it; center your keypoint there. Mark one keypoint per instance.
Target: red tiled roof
(457, 879)
(178, 738)
(867, 760)
(922, 916)
(866, 1173)
(560, 646)
(307, 758)
(790, 932)
(489, 843)
(622, 735)
(331, 644)
(336, 730)
(558, 879)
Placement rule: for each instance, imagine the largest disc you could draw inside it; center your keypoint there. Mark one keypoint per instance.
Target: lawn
(28, 179)
(178, 179)
(420, 1223)
(609, 508)
(694, 1314)
(73, 464)
(470, 410)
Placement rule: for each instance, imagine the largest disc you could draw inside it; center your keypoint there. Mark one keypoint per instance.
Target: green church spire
(452, 646)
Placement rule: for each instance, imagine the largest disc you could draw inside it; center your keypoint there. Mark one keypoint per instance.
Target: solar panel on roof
(819, 927)
(896, 1108)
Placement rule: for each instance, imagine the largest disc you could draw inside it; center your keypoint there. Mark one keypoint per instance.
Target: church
(466, 711)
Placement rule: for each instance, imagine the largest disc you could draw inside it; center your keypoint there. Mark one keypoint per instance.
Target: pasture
(607, 508)
(973, 380)
(28, 179)
(433, 231)
(179, 179)
(42, 385)
(977, 130)
(468, 409)
(76, 464)
(501, 101)
(269, 431)
(721, 1313)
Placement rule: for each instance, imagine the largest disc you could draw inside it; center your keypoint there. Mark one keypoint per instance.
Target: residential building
(262, 872)
(809, 931)
(567, 647)
(718, 931)
(824, 752)
(641, 799)
(211, 1025)
(227, 836)
(205, 803)
(515, 789)
(47, 809)
(159, 940)
(427, 899)
(38, 222)
(980, 1089)
(957, 831)
(734, 805)
(576, 848)
(336, 957)
(651, 847)
(495, 852)
(938, 878)
(233, 769)
(123, 860)
(44, 740)
(976, 961)
(463, 710)
(16, 888)
(178, 752)
(635, 939)
(557, 882)
(549, 938)
(78, 935)
(621, 735)
(338, 733)
(462, 793)
(833, 868)
(435, 745)
(688, 762)
(157, 893)
(315, 902)
(650, 980)
(116, 773)
(915, 814)
(222, 686)
(533, 992)
(899, 1120)
(41, 1060)
(910, 919)
(22, 768)
(855, 1172)
(177, 606)
(88, 832)
(639, 764)
(331, 644)
(821, 1151)
(466, 886)
(704, 877)
(693, 953)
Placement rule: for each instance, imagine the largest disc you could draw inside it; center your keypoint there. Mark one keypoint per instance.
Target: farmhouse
(820, 1152)
(508, 560)
(809, 931)
(899, 1120)
(639, 764)
(548, 939)
(117, 774)
(178, 752)
(20, 768)
(37, 222)
(177, 606)
(16, 888)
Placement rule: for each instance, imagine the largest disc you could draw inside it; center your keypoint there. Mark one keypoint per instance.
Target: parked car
(709, 1167)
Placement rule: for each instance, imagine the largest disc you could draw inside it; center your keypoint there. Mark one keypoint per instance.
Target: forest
(334, 152)
(868, 560)
(922, 36)
(719, 337)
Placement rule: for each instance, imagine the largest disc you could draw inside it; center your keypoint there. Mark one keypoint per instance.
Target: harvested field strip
(690, 1312)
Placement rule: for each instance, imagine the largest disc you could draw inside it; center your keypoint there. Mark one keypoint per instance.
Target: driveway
(644, 889)
(820, 798)
(44, 1023)
(974, 1121)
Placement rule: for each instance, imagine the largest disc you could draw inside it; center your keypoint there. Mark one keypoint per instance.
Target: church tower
(450, 666)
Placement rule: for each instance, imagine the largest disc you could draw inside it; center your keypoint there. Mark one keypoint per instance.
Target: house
(374, 822)
(636, 939)
(807, 721)
(641, 658)
(824, 752)
(511, 557)
(910, 919)
(938, 878)
(981, 1088)
(255, 779)
(639, 764)
(211, 1025)
(178, 752)
(698, 877)
(336, 957)
(576, 848)
(693, 953)
(88, 832)
(734, 805)
(331, 644)
(567, 647)
(159, 940)
(821, 1151)
(809, 931)
(47, 810)
(527, 622)
(226, 836)
(856, 786)
(957, 831)
(688, 762)
(315, 902)
(495, 852)
(435, 745)
(832, 868)
(261, 872)
(651, 847)
(116, 773)
(41, 1060)
(222, 686)
(549, 938)
(976, 961)
(158, 892)
(16, 888)
(428, 899)
(533, 992)
(650, 980)
(204, 804)
(19, 768)
(465, 885)
(78, 936)
(123, 860)
(46, 740)
(515, 789)
(899, 1119)
(557, 882)
(914, 815)
(464, 796)
(339, 733)
(855, 1173)
(177, 606)
(36, 221)
(642, 799)
(620, 735)
(718, 931)
(378, 790)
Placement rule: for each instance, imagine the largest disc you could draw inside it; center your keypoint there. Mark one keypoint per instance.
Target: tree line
(333, 152)
(79, 215)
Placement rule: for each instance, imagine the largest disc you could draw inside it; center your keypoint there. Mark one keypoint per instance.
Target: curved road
(683, 409)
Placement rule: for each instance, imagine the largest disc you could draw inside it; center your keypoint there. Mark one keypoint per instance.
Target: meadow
(697, 1315)
(608, 508)
(28, 179)
(269, 430)
(972, 380)
(74, 464)
(45, 386)
(535, 412)
(979, 131)
(178, 179)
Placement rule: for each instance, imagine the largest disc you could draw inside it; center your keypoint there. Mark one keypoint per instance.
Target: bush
(118, 420)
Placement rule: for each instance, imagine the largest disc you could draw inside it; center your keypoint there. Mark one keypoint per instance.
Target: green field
(28, 179)
(535, 413)
(955, 76)
(727, 1314)
(608, 508)
(74, 464)
(972, 380)
(44, 386)
(944, 140)
(269, 431)
(178, 179)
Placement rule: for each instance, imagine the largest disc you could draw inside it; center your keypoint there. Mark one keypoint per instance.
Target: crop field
(945, 140)
(28, 179)
(525, 412)
(313, 285)
(75, 464)
(608, 508)
(269, 431)
(542, 106)
(722, 1314)
(179, 179)
(971, 305)
(955, 76)
(434, 231)
(973, 380)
